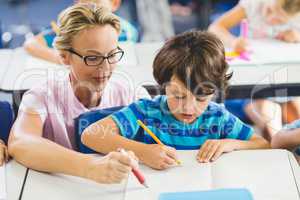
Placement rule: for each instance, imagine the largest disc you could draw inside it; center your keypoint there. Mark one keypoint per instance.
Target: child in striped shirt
(191, 67)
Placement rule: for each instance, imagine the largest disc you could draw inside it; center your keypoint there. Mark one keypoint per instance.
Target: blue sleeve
(128, 32)
(126, 119)
(234, 128)
(49, 36)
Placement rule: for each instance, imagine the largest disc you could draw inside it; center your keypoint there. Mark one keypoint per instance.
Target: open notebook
(253, 170)
(2, 183)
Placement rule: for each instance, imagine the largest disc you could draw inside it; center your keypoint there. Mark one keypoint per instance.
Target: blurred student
(278, 19)
(41, 45)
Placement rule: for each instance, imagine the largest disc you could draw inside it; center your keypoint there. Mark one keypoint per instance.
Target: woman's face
(94, 42)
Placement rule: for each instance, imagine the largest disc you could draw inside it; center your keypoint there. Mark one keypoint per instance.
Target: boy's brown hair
(197, 58)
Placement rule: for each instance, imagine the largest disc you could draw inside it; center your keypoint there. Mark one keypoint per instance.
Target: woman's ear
(115, 5)
(65, 57)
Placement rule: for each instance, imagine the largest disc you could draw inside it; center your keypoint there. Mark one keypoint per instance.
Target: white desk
(15, 174)
(268, 174)
(19, 71)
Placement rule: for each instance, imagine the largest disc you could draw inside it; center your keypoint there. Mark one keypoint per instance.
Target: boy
(191, 67)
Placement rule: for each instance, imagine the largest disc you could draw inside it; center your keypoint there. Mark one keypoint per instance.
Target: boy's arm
(104, 137)
(255, 142)
(288, 139)
(222, 26)
(37, 46)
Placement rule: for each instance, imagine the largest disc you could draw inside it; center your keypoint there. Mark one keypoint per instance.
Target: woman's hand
(112, 168)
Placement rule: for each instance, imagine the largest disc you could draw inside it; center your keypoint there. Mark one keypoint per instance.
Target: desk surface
(15, 174)
(268, 174)
(19, 71)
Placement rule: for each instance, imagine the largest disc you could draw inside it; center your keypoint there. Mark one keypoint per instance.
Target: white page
(266, 173)
(2, 183)
(270, 51)
(57, 186)
(188, 177)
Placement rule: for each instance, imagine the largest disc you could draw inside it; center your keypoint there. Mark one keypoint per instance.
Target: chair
(6, 120)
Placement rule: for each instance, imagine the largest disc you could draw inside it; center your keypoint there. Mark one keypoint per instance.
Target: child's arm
(212, 149)
(288, 139)
(290, 36)
(222, 26)
(104, 136)
(37, 46)
(3, 153)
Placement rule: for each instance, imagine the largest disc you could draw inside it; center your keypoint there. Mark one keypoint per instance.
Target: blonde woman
(42, 136)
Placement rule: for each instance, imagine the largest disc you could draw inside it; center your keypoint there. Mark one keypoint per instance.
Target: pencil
(153, 136)
(54, 27)
(137, 173)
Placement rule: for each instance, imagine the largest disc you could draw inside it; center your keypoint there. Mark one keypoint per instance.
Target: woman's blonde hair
(80, 17)
(291, 6)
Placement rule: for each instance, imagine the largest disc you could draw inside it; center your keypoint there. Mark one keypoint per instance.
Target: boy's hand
(291, 36)
(3, 153)
(212, 149)
(159, 157)
(240, 45)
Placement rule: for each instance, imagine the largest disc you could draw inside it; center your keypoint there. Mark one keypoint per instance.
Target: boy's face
(274, 14)
(184, 105)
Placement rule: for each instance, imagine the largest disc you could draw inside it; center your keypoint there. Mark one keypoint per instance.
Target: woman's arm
(28, 147)
(37, 46)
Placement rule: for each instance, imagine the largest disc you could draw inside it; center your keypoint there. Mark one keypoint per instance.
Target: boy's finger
(217, 154)
(171, 152)
(203, 150)
(207, 150)
(212, 151)
(169, 160)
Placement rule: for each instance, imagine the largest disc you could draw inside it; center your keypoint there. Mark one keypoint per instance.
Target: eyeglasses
(98, 60)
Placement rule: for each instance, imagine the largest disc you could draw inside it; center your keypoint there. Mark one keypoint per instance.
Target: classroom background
(18, 18)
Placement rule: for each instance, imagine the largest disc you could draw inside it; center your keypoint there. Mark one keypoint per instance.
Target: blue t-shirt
(215, 123)
(128, 33)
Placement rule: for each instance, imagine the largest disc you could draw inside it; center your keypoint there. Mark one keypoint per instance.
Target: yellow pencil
(54, 27)
(152, 135)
